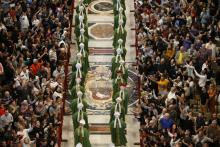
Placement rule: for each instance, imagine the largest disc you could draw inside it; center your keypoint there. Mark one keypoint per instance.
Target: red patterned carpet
(101, 51)
(99, 129)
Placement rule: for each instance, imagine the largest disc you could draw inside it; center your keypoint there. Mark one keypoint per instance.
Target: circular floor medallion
(98, 87)
(101, 6)
(101, 31)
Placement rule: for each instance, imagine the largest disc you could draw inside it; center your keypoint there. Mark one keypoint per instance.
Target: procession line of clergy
(119, 76)
(79, 71)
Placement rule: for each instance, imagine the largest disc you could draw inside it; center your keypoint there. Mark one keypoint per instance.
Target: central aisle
(98, 82)
(101, 21)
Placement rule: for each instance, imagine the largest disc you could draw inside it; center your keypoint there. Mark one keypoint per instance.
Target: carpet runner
(101, 51)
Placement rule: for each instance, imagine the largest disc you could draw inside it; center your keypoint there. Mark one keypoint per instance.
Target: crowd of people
(178, 62)
(34, 38)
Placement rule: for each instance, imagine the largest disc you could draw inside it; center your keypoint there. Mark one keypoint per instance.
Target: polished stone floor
(100, 12)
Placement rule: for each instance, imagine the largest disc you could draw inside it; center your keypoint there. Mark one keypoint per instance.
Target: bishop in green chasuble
(118, 134)
(81, 135)
(77, 116)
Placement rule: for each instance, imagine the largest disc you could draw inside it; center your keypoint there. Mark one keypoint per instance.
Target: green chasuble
(115, 65)
(74, 105)
(116, 7)
(116, 85)
(84, 67)
(73, 81)
(116, 19)
(85, 59)
(75, 89)
(86, 2)
(84, 41)
(119, 33)
(118, 134)
(112, 112)
(122, 2)
(77, 9)
(124, 73)
(81, 135)
(124, 51)
(77, 31)
(77, 21)
(76, 118)
(124, 96)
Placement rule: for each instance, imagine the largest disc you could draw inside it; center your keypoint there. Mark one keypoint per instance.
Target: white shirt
(24, 133)
(197, 139)
(171, 95)
(204, 66)
(191, 84)
(24, 22)
(175, 43)
(53, 55)
(6, 119)
(57, 73)
(210, 46)
(25, 75)
(56, 94)
(202, 79)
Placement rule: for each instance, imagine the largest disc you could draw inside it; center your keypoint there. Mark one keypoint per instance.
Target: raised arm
(197, 74)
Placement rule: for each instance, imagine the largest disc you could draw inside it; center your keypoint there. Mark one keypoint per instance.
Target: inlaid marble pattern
(101, 7)
(101, 31)
(99, 89)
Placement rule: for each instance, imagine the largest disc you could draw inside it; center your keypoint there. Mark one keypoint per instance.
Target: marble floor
(105, 16)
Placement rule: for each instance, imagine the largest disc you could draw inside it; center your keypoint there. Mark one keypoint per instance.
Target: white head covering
(82, 122)
(118, 56)
(121, 10)
(82, 49)
(79, 55)
(79, 145)
(120, 41)
(118, 99)
(79, 94)
(118, 104)
(81, 45)
(78, 70)
(82, 31)
(80, 106)
(81, 18)
(78, 80)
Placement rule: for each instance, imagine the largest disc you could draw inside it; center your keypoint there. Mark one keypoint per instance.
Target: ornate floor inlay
(101, 7)
(101, 31)
(98, 87)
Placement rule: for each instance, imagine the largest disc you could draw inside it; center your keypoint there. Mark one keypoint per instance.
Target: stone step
(100, 43)
(100, 59)
(94, 18)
